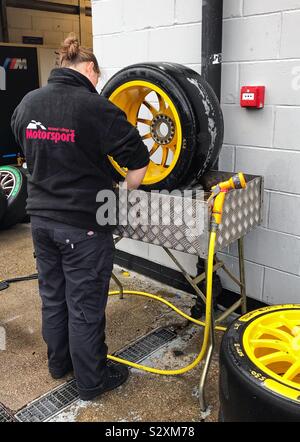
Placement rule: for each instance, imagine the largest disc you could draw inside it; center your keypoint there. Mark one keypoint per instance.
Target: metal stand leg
(119, 284)
(242, 275)
(117, 281)
(202, 401)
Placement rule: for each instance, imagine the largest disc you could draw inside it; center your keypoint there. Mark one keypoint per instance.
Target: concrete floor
(144, 397)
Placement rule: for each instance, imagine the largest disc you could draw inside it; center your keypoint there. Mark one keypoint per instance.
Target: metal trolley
(242, 213)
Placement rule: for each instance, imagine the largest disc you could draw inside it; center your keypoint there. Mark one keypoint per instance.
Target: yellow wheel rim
(154, 114)
(272, 343)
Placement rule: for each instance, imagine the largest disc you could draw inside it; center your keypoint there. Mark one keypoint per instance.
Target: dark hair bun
(72, 54)
(70, 47)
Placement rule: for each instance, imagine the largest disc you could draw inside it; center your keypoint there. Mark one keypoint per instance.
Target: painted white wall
(260, 46)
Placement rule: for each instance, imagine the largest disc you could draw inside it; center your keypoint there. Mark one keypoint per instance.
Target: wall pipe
(212, 27)
(211, 61)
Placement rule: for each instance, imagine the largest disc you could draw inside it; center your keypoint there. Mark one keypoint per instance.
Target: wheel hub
(162, 129)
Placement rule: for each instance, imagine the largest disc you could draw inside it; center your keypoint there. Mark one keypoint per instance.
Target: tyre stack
(184, 121)
(13, 195)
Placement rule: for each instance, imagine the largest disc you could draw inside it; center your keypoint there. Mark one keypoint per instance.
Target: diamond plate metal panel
(242, 212)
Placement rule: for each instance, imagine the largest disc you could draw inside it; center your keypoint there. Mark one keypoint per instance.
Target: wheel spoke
(144, 121)
(5, 179)
(164, 155)
(293, 371)
(270, 343)
(154, 148)
(289, 324)
(171, 147)
(278, 356)
(7, 182)
(279, 334)
(150, 107)
(145, 137)
(162, 104)
(169, 113)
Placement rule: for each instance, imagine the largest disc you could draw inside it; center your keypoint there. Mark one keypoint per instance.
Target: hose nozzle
(219, 192)
(236, 182)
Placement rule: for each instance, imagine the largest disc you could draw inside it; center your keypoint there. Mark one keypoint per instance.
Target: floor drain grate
(47, 406)
(57, 400)
(5, 416)
(147, 345)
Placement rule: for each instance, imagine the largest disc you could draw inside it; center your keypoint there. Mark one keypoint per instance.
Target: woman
(66, 130)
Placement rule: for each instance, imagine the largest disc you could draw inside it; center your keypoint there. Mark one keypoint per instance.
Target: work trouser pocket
(96, 291)
(87, 260)
(79, 247)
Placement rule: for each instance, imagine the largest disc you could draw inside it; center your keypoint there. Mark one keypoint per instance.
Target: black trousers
(74, 269)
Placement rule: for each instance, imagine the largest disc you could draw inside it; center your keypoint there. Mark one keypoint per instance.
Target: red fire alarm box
(253, 96)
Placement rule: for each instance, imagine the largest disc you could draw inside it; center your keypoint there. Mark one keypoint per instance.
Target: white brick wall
(253, 7)
(232, 8)
(281, 288)
(260, 47)
(247, 127)
(190, 13)
(181, 43)
(281, 78)
(290, 30)
(148, 14)
(252, 31)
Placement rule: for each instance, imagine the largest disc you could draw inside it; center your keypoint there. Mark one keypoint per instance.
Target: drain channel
(145, 346)
(54, 402)
(5, 416)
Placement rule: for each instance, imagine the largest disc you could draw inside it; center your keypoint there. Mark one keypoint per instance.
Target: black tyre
(14, 184)
(3, 203)
(178, 116)
(260, 367)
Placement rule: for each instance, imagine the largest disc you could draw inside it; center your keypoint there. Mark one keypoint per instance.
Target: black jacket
(66, 130)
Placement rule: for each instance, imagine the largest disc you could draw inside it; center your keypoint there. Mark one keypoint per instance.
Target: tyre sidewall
(208, 116)
(243, 394)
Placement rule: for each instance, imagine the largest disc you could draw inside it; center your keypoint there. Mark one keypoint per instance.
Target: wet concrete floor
(145, 396)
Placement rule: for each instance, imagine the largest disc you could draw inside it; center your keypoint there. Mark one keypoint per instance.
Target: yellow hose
(206, 325)
(218, 194)
(164, 301)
